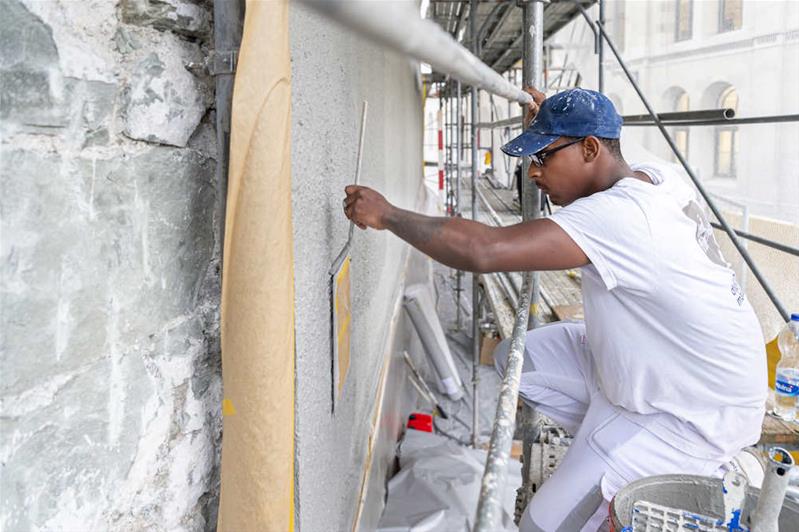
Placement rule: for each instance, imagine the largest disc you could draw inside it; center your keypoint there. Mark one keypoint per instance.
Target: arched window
(681, 103)
(727, 137)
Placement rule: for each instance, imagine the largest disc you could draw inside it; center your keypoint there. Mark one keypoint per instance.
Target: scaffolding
(399, 27)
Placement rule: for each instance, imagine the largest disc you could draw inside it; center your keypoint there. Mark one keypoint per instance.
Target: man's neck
(614, 171)
(623, 170)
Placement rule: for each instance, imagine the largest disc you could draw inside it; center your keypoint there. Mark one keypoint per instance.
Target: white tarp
(438, 485)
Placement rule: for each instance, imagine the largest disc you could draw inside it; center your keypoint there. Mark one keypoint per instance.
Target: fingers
(537, 95)
(363, 206)
(353, 194)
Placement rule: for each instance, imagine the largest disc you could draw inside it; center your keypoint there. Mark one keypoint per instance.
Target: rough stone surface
(109, 278)
(164, 101)
(187, 18)
(31, 87)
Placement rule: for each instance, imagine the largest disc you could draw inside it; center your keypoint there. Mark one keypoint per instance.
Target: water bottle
(787, 382)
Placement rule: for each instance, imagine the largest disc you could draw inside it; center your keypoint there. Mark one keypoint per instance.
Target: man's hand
(532, 107)
(365, 207)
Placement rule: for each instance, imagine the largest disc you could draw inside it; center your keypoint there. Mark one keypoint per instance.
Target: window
(730, 15)
(681, 104)
(727, 138)
(617, 22)
(684, 22)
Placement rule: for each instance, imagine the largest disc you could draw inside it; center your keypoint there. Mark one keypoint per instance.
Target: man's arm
(465, 244)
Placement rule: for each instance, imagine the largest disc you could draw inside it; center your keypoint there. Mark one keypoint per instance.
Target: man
(667, 374)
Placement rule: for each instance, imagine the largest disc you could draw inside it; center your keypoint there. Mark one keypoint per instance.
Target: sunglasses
(538, 158)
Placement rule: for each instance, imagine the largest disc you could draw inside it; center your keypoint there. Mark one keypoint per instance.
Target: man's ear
(591, 147)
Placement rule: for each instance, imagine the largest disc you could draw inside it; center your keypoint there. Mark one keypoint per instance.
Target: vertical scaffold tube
(475, 291)
(440, 142)
(448, 148)
(533, 76)
(601, 50)
(458, 146)
(493, 484)
(492, 487)
(458, 156)
(452, 147)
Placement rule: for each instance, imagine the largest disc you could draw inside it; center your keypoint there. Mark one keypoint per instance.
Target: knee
(501, 352)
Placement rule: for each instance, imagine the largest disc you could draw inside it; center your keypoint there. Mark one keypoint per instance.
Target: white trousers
(611, 446)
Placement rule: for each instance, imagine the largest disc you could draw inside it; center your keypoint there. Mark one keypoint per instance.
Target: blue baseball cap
(571, 113)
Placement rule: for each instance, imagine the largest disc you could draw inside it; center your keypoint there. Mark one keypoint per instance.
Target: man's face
(565, 175)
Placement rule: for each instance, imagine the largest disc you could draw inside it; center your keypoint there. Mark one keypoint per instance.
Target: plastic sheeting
(257, 285)
(438, 485)
(425, 320)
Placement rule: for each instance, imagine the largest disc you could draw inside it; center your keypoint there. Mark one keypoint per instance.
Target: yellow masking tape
(227, 408)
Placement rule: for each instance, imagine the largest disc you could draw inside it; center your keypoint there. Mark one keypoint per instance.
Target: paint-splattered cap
(571, 113)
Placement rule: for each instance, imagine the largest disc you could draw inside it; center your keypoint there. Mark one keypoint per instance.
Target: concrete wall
(108, 267)
(333, 71)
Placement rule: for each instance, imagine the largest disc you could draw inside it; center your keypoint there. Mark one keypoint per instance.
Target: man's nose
(533, 172)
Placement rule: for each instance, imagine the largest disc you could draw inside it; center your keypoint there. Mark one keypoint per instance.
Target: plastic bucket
(690, 493)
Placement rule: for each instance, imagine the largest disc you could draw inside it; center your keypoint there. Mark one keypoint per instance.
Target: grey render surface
(332, 72)
(109, 262)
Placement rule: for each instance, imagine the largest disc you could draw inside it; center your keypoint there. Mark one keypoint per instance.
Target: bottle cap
(794, 317)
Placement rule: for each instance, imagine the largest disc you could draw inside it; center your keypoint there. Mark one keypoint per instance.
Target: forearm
(454, 242)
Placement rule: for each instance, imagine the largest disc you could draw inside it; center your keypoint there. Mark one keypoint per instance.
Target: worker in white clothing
(668, 372)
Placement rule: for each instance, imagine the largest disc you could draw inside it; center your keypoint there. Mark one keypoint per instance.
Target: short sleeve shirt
(668, 325)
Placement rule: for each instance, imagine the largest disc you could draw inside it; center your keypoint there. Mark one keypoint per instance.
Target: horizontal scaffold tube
(684, 116)
(397, 26)
(492, 487)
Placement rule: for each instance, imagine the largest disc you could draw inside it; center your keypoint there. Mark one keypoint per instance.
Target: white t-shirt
(669, 327)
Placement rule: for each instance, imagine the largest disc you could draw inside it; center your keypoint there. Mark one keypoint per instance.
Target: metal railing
(707, 117)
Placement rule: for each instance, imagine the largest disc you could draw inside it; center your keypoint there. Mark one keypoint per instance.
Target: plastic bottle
(787, 385)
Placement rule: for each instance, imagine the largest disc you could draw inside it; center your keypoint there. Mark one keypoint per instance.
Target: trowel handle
(360, 158)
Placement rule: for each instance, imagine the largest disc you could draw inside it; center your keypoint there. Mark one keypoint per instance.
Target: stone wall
(109, 267)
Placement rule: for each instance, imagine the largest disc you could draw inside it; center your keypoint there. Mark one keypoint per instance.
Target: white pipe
(766, 516)
(397, 26)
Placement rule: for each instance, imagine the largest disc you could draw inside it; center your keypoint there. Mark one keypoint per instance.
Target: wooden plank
(504, 314)
(568, 312)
